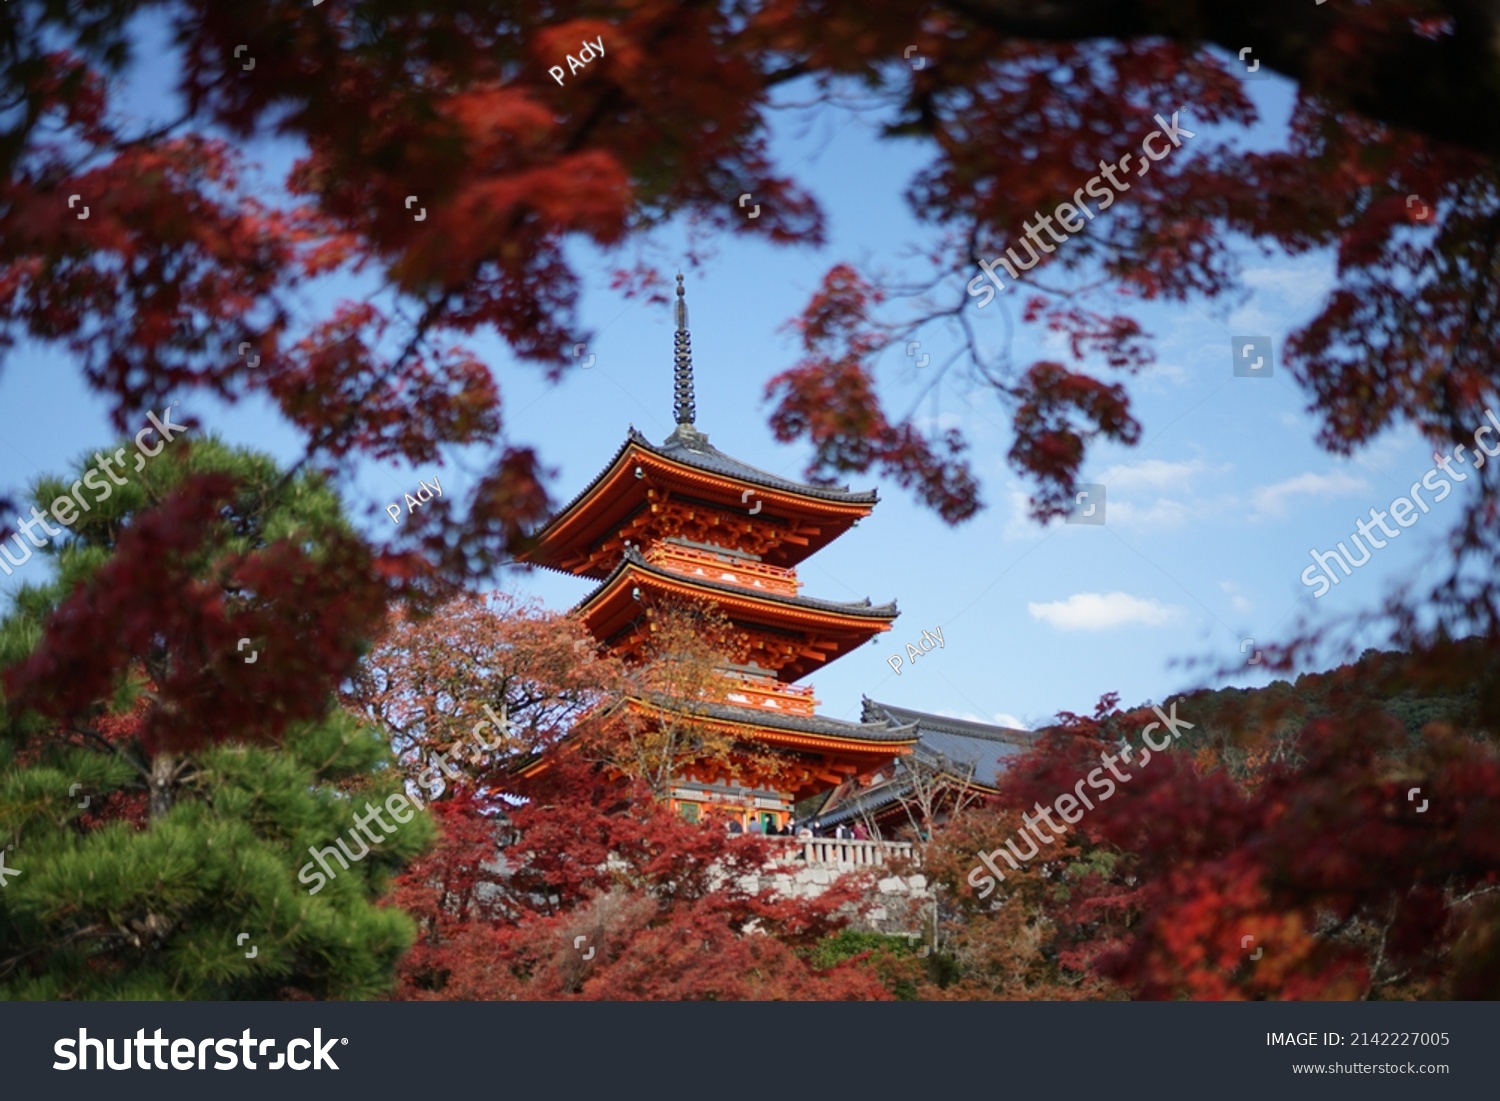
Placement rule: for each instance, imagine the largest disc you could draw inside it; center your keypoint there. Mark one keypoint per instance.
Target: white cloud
(1101, 611)
(1282, 294)
(1253, 319)
(999, 718)
(1164, 491)
(1159, 376)
(1385, 452)
(1155, 474)
(1160, 514)
(1272, 500)
(1237, 602)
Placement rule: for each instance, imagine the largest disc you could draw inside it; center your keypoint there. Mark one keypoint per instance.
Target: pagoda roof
(633, 557)
(833, 628)
(864, 743)
(945, 731)
(688, 465)
(878, 730)
(693, 448)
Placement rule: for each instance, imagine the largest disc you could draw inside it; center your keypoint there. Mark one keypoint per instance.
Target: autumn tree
(932, 789)
(1019, 942)
(607, 895)
(496, 682)
(458, 108)
(488, 681)
(1347, 886)
(682, 658)
(158, 800)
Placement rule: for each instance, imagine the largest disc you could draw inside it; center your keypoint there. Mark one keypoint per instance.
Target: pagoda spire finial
(682, 363)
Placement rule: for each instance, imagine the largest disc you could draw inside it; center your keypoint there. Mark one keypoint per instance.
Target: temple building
(955, 760)
(682, 521)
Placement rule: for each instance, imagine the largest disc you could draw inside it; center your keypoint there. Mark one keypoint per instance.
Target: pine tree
(161, 783)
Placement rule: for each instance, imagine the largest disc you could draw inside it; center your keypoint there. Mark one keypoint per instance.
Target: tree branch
(1446, 86)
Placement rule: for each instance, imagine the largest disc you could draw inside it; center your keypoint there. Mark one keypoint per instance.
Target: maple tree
(497, 682)
(149, 851)
(181, 278)
(660, 736)
(1014, 944)
(602, 893)
(457, 107)
(1154, 891)
(486, 681)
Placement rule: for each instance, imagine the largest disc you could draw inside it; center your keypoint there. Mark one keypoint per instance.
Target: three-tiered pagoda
(682, 521)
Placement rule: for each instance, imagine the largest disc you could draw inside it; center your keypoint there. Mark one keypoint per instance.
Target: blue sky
(1209, 522)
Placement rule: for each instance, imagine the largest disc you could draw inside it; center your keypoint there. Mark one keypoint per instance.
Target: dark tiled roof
(965, 758)
(866, 802)
(870, 731)
(861, 608)
(958, 745)
(693, 449)
(963, 727)
(698, 452)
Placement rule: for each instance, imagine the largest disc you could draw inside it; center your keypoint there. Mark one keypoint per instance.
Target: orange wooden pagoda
(682, 520)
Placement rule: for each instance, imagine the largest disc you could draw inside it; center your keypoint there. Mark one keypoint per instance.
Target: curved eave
(965, 784)
(712, 460)
(616, 494)
(547, 540)
(895, 742)
(965, 728)
(771, 735)
(830, 630)
(861, 617)
(754, 728)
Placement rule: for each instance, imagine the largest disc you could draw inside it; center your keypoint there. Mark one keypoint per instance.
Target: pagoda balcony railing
(770, 694)
(820, 852)
(842, 853)
(724, 568)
